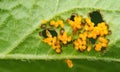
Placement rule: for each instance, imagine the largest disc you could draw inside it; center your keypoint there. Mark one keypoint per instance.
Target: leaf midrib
(58, 57)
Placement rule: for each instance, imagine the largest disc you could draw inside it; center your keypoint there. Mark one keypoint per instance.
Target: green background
(22, 49)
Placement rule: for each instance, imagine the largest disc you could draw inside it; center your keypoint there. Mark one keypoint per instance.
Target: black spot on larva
(40, 33)
(109, 32)
(51, 31)
(96, 17)
(62, 30)
(43, 26)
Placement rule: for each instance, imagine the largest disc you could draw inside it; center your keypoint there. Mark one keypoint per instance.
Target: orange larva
(69, 63)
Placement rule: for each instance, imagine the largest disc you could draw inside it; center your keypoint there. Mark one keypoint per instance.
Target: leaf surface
(20, 21)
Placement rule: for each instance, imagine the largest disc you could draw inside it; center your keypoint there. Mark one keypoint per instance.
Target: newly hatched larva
(69, 63)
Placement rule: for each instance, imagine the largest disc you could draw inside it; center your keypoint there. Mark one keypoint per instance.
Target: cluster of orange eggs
(87, 33)
(91, 32)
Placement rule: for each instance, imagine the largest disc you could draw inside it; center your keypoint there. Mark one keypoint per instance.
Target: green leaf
(58, 66)
(20, 21)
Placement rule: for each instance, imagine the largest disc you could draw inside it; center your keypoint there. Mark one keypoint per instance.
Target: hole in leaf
(96, 17)
(92, 40)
